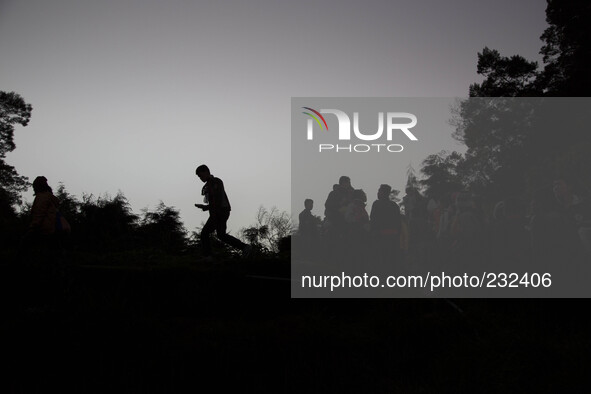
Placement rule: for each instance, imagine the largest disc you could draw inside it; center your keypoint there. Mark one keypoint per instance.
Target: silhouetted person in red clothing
(41, 249)
(47, 225)
(218, 205)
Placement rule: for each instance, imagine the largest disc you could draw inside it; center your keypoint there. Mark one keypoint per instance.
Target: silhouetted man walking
(218, 205)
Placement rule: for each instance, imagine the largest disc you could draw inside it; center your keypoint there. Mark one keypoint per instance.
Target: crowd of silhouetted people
(458, 230)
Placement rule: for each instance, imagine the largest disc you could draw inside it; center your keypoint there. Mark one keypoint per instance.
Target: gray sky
(133, 95)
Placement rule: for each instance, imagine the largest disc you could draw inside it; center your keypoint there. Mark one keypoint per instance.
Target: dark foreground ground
(191, 329)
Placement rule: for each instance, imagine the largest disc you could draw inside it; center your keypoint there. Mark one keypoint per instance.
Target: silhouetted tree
(194, 238)
(496, 131)
(441, 174)
(499, 136)
(163, 228)
(566, 53)
(412, 181)
(270, 227)
(512, 76)
(69, 205)
(567, 49)
(107, 223)
(513, 144)
(13, 110)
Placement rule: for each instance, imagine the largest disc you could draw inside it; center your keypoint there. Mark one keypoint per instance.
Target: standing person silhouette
(218, 205)
(47, 226)
(41, 248)
(309, 223)
(386, 227)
